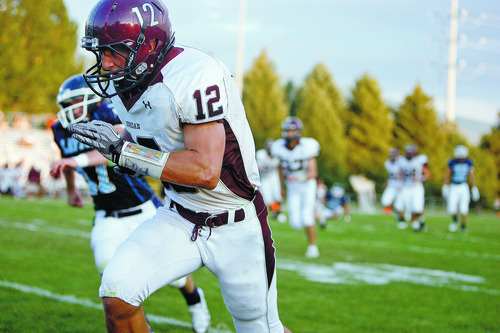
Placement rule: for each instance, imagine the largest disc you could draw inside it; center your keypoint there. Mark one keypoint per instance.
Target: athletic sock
(191, 298)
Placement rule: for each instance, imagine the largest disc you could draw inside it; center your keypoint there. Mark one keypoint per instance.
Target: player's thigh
(293, 205)
(308, 200)
(388, 196)
(157, 253)
(418, 199)
(244, 265)
(464, 200)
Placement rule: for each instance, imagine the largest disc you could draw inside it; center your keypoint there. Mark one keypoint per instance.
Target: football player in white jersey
(456, 189)
(185, 125)
(121, 202)
(270, 180)
(414, 171)
(391, 198)
(298, 172)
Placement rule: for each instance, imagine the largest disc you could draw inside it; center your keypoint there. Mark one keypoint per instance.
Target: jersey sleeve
(312, 147)
(204, 96)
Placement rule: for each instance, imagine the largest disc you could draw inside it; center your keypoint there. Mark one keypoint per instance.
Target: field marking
(382, 274)
(427, 250)
(89, 304)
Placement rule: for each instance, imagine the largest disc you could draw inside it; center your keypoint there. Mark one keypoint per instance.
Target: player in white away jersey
(270, 180)
(414, 171)
(299, 172)
(185, 125)
(391, 198)
(456, 187)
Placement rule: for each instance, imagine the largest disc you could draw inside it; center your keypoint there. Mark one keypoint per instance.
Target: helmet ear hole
(153, 45)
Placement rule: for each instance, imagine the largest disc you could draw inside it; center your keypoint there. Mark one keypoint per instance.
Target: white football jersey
(196, 88)
(268, 164)
(412, 169)
(294, 161)
(392, 168)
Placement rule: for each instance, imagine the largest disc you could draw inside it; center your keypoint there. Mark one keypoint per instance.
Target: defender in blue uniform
(121, 201)
(456, 187)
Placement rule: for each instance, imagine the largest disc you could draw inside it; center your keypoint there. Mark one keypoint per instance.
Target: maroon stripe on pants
(261, 209)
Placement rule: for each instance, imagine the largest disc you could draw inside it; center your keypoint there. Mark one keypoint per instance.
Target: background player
(391, 198)
(298, 172)
(270, 180)
(414, 171)
(121, 202)
(456, 189)
(183, 110)
(337, 203)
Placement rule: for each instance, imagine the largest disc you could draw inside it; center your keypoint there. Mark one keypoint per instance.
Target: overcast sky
(398, 42)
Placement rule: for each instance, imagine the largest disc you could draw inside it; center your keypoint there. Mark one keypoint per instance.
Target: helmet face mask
(137, 30)
(76, 101)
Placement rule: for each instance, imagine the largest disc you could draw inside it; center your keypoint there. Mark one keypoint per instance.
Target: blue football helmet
(76, 101)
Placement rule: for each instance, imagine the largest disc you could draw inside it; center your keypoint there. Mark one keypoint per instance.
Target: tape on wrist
(81, 160)
(147, 161)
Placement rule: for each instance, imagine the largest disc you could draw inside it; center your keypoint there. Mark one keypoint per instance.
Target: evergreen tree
(490, 145)
(319, 105)
(264, 100)
(369, 130)
(417, 122)
(37, 43)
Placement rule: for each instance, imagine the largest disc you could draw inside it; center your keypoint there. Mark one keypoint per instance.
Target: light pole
(451, 84)
(240, 47)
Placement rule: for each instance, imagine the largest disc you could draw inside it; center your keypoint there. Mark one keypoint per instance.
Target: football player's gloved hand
(126, 171)
(475, 193)
(101, 136)
(445, 191)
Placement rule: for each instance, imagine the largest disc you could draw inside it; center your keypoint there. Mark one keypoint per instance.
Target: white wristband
(81, 160)
(147, 161)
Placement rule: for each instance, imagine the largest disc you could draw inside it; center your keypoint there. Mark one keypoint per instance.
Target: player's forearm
(188, 167)
(69, 176)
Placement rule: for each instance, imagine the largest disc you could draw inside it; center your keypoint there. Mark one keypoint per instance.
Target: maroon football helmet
(126, 28)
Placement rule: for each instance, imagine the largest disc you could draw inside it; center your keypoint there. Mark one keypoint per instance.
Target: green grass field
(370, 277)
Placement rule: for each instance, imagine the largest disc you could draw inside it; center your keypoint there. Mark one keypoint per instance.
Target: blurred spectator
(34, 186)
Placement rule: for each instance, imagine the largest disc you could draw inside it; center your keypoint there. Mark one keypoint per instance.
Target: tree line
(357, 131)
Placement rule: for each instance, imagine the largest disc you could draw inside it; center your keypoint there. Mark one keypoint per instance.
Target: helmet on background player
(76, 101)
(461, 151)
(127, 28)
(393, 153)
(410, 151)
(291, 128)
(337, 191)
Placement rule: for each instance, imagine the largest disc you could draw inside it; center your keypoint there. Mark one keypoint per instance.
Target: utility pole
(240, 48)
(451, 84)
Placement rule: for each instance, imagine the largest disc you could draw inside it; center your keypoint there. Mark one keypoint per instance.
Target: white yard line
(89, 304)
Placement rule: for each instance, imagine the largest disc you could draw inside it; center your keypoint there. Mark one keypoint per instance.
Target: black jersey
(110, 191)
